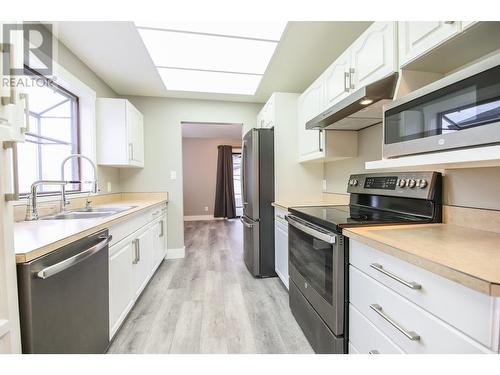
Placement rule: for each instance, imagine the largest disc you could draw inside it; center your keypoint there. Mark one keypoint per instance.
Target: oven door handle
(325, 236)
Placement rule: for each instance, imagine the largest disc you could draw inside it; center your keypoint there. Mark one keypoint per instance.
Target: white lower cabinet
(139, 246)
(281, 245)
(396, 307)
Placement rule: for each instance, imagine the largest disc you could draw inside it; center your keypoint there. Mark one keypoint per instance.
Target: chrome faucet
(32, 206)
(95, 190)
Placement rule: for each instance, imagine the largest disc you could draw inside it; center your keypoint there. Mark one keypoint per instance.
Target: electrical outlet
(109, 187)
(173, 175)
(206, 208)
(324, 185)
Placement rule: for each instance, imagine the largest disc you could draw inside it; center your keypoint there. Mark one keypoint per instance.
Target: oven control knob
(422, 183)
(355, 182)
(402, 183)
(412, 183)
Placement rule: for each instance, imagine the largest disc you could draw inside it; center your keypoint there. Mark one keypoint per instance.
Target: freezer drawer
(251, 244)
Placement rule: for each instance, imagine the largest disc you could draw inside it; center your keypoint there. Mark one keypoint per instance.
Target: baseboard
(201, 218)
(176, 253)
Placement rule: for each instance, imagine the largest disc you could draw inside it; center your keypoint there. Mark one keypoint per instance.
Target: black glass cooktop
(337, 217)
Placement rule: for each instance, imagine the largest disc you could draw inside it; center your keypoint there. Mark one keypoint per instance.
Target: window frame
(75, 133)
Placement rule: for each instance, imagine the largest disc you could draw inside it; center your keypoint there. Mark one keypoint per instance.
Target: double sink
(88, 213)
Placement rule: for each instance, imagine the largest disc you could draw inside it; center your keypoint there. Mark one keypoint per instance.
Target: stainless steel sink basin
(88, 213)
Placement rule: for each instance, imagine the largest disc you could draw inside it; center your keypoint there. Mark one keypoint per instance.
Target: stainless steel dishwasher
(64, 298)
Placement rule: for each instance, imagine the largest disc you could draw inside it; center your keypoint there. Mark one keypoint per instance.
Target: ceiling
(211, 130)
(115, 51)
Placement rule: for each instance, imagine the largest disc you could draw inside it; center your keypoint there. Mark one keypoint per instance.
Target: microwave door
(250, 173)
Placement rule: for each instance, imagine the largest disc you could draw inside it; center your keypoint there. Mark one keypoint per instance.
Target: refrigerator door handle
(243, 160)
(246, 223)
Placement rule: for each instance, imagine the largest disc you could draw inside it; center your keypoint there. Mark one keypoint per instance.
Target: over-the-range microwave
(460, 110)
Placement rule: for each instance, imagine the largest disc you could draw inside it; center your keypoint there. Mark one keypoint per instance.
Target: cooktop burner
(337, 217)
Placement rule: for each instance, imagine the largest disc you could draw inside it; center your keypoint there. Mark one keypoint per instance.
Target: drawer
(367, 338)
(410, 327)
(135, 222)
(446, 299)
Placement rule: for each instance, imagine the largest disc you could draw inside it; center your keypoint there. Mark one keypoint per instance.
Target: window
(237, 183)
(53, 135)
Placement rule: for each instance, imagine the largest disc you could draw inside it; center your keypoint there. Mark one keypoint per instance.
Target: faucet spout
(95, 186)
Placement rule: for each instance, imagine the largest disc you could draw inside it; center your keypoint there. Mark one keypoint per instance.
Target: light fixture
(206, 81)
(225, 57)
(366, 101)
(254, 30)
(174, 49)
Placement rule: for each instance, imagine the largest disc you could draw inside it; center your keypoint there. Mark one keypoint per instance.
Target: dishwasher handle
(70, 262)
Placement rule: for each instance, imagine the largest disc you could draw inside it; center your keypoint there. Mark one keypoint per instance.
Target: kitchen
(369, 187)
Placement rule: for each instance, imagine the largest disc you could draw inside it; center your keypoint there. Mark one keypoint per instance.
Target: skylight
(211, 57)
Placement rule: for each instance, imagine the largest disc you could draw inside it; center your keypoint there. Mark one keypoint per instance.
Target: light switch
(173, 175)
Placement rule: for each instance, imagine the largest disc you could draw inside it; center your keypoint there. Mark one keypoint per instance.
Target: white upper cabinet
(310, 104)
(267, 115)
(373, 54)
(337, 79)
(417, 37)
(120, 133)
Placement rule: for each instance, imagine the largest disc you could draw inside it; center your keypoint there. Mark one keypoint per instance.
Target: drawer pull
(409, 284)
(409, 334)
(374, 351)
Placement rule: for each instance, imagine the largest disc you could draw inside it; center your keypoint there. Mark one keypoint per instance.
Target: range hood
(359, 110)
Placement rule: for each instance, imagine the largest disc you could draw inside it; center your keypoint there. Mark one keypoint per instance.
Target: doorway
(200, 141)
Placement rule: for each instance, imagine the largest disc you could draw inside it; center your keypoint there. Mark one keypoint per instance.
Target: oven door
(316, 266)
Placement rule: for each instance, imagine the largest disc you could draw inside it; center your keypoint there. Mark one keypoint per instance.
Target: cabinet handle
(351, 78)
(137, 249)
(282, 217)
(162, 230)
(449, 22)
(410, 335)
(25, 97)
(9, 48)
(347, 84)
(15, 172)
(409, 284)
(374, 351)
(320, 147)
(131, 151)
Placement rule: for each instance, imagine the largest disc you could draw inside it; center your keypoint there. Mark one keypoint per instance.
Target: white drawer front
(469, 311)
(137, 221)
(435, 336)
(367, 338)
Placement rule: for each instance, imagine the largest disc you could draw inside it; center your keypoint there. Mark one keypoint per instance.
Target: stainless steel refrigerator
(258, 193)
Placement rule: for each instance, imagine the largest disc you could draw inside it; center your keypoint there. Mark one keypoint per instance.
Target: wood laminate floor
(209, 303)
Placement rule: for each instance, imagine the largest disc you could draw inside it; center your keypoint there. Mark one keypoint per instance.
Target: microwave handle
(323, 236)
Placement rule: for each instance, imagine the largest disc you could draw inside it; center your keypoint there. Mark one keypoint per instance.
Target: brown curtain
(225, 205)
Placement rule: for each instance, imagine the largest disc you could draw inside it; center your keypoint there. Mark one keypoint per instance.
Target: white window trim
(87, 103)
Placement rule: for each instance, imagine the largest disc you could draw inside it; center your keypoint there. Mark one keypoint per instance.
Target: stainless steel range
(318, 252)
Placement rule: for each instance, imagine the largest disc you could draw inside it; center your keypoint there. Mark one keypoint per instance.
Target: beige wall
(472, 187)
(76, 67)
(199, 172)
(163, 147)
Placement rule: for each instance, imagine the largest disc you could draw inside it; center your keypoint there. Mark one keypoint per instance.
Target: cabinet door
(281, 250)
(417, 38)
(135, 131)
(163, 234)
(374, 54)
(310, 105)
(337, 80)
(121, 296)
(143, 260)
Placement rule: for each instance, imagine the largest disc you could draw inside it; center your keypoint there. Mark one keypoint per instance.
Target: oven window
(313, 259)
(472, 102)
